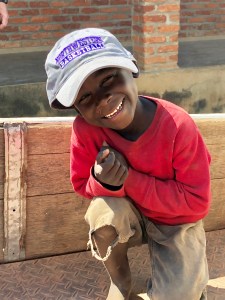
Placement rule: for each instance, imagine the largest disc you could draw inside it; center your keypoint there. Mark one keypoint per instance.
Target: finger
(111, 176)
(97, 169)
(121, 175)
(4, 22)
(124, 176)
(103, 169)
(105, 144)
(102, 155)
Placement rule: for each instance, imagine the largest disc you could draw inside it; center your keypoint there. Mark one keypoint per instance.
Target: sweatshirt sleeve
(82, 158)
(188, 193)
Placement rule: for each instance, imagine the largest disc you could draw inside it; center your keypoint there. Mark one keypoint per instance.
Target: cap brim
(68, 92)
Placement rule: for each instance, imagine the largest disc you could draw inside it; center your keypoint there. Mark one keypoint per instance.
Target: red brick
(72, 11)
(148, 29)
(41, 19)
(173, 57)
(39, 4)
(99, 2)
(18, 4)
(42, 35)
(9, 44)
(154, 39)
(52, 27)
(19, 20)
(20, 36)
(50, 11)
(168, 28)
(30, 27)
(168, 7)
(221, 25)
(29, 12)
(14, 13)
(89, 10)
(155, 18)
(60, 3)
(61, 18)
(4, 37)
(57, 35)
(117, 2)
(77, 3)
(99, 17)
(120, 16)
(143, 8)
(81, 18)
(203, 12)
(156, 60)
(30, 43)
(71, 26)
(174, 18)
(11, 29)
(143, 49)
(168, 48)
(91, 24)
(196, 20)
(173, 38)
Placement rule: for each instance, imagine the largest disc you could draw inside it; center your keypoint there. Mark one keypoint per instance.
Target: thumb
(104, 144)
(102, 155)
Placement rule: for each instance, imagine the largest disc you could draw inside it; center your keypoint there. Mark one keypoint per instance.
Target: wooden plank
(55, 225)
(217, 168)
(2, 163)
(48, 139)
(1, 230)
(2, 172)
(2, 146)
(212, 130)
(216, 217)
(48, 174)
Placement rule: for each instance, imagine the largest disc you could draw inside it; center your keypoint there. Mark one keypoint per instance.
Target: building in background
(179, 45)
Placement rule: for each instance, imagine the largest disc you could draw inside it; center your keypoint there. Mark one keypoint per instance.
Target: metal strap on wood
(15, 191)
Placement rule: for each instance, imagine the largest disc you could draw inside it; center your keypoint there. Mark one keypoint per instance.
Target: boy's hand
(3, 15)
(110, 166)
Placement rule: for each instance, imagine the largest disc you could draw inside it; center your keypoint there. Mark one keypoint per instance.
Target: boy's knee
(105, 233)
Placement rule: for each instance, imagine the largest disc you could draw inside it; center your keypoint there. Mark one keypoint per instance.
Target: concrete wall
(198, 90)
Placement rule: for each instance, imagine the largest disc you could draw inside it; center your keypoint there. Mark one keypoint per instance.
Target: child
(141, 160)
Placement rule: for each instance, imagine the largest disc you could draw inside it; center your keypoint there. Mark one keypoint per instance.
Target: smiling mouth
(115, 112)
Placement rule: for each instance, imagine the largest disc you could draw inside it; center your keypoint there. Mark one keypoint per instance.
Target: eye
(85, 98)
(108, 80)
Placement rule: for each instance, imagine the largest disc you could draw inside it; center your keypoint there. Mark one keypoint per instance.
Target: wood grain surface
(55, 214)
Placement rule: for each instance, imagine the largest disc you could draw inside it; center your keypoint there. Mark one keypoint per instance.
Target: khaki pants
(179, 269)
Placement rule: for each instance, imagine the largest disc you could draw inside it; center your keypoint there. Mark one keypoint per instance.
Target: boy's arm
(188, 194)
(81, 171)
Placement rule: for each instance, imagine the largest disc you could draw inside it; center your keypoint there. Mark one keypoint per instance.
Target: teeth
(115, 111)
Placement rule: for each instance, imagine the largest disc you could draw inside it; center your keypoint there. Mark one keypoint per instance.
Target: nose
(103, 99)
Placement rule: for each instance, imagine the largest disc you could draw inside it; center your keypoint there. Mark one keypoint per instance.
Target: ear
(136, 75)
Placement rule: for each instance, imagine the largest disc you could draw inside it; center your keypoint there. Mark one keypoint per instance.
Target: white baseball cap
(77, 55)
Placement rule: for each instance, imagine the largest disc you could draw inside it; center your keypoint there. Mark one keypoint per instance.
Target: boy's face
(108, 98)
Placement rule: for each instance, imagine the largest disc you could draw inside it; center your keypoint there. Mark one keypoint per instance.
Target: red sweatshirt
(168, 179)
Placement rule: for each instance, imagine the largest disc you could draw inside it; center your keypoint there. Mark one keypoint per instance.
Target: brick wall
(201, 18)
(36, 23)
(150, 27)
(155, 33)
